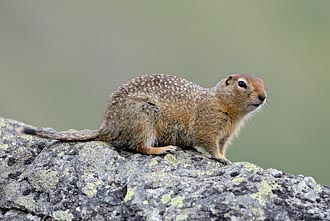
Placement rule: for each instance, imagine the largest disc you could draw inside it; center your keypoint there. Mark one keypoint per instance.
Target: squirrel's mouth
(257, 104)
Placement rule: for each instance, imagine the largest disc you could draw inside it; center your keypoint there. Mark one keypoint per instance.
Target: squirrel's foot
(167, 149)
(157, 150)
(224, 161)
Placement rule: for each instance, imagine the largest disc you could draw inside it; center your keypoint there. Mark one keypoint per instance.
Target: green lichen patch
(45, 180)
(92, 183)
(3, 146)
(166, 197)
(181, 217)
(90, 189)
(171, 159)
(129, 195)
(62, 215)
(209, 173)
(26, 202)
(237, 180)
(177, 202)
(257, 212)
(264, 190)
(251, 167)
(153, 162)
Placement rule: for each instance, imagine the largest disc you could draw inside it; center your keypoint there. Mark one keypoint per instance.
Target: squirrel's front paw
(224, 161)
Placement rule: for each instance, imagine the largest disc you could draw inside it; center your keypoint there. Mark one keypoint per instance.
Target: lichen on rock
(45, 180)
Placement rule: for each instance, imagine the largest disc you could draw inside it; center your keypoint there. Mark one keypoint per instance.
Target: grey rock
(46, 180)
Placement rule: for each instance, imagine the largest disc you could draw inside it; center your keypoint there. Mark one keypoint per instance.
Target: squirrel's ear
(227, 81)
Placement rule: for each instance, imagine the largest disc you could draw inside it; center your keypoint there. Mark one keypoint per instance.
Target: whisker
(270, 98)
(267, 105)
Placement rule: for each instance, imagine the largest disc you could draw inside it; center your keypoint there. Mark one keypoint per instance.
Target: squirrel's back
(166, 88)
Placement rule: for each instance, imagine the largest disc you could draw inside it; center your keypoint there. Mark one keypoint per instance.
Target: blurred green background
(59, 61)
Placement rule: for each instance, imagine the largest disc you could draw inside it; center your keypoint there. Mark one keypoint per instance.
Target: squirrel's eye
(242, 84)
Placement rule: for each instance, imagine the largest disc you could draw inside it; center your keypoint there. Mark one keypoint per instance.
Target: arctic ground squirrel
(155, 114)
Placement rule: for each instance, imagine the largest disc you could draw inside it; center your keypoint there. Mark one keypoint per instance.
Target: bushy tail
(70, 135)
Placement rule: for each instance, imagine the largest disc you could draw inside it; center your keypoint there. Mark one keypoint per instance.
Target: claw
(224, 161)
(170, 149)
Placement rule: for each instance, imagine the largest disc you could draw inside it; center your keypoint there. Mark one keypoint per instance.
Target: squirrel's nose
(262, 97)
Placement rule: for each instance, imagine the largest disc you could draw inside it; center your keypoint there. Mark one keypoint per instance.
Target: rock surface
(43, 180)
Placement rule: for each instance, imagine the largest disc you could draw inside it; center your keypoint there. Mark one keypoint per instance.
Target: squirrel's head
(244, 93)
